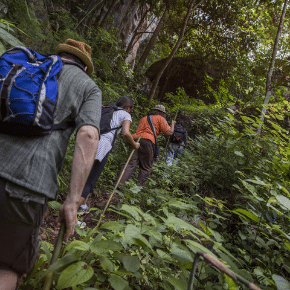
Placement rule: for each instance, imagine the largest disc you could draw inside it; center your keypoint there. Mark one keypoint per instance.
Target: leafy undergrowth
(227, 196)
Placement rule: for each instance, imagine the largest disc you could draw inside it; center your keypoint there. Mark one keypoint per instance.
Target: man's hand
(68, 215)
(136, 145)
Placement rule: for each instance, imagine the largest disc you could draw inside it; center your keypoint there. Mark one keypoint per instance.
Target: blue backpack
(28, 92)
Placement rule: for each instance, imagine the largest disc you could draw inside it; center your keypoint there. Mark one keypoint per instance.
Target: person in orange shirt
(144, 156)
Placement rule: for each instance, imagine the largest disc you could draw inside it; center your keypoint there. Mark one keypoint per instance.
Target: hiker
(29, 165)
(120, 120)
(177, 142)
(144, 156)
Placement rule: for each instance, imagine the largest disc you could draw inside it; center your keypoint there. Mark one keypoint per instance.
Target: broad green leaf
(183, 255)
(245, 274)
(178, 284)
(178, 223)
(2, 48)
(249, 187)
(284, 201)
(178, 204)
(131, 263)
(259, 182)
(130, 232)
(244, 213)
(9, 38)
(54, 205)
(238, 153)
(118, 283)
(231, 283)
(74, 274)
(281, 282)
(78, 245)
(103, 246)
(143, 240)
(164, 256)
(132, 211)
(146, 216)
(67, 259)
(136, 189)
(113, 226)
(205, 228)
(107, 264)
(155, 234)
(195, 247)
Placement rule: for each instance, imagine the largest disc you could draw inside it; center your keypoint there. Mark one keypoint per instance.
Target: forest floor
(50, 228)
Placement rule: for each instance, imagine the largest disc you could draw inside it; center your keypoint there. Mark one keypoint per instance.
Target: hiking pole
(216, 263)
(116, 185)
(49, 277)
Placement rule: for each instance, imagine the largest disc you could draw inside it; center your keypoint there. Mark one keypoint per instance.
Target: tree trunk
(132, 41)
(167, 61)
(270, 72)
(102, 22)
(152, 40)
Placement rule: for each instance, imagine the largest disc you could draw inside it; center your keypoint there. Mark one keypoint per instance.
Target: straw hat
(80, 49)
(160, 108)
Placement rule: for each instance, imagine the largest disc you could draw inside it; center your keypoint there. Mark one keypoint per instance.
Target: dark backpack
(28, 92)
(107, 115)
(179, 135)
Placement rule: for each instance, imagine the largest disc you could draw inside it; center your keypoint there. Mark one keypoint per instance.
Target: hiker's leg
(169, 155)
(8, 279)
(177, 152)
(93, 178)
(146, 160)
(20, 220)
(130, 167)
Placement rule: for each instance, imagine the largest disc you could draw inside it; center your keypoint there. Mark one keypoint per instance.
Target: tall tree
(103, 21)
(152, 40)
(192, 5)
(137, 34)
(272, 63)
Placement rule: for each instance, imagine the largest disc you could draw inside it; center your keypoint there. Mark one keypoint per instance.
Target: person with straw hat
(144, 156)
(29, 166)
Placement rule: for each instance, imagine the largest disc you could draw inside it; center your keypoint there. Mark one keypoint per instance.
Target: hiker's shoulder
(160, 119)
(75, 73)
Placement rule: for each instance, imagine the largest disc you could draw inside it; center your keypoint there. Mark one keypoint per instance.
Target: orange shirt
(144, 129)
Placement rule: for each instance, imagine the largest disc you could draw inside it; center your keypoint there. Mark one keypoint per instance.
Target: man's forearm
(85, 150)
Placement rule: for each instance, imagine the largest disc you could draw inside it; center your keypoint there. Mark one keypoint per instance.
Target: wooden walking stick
(49, 277)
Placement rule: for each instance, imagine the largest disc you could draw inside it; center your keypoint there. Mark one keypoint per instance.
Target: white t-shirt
(105, 143)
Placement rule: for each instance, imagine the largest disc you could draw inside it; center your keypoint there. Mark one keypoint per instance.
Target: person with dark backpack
(176, 143)
(115, 117)
(44, 98)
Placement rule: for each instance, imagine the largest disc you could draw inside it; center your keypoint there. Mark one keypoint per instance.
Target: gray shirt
(34, 162)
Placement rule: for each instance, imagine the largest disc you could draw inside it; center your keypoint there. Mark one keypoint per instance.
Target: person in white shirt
(121, 119)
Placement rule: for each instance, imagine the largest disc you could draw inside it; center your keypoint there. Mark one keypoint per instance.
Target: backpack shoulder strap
(149, 119)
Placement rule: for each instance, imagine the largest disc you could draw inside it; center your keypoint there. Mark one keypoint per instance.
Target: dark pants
(20, 220)
(94, 176)
(144, 157)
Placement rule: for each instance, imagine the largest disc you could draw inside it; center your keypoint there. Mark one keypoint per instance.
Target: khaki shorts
(20, 220)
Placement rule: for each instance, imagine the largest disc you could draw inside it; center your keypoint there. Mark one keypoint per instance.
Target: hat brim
(160, 110)
(70, 49)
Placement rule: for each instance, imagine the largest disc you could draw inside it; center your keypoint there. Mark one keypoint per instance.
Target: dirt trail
(49, 229)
